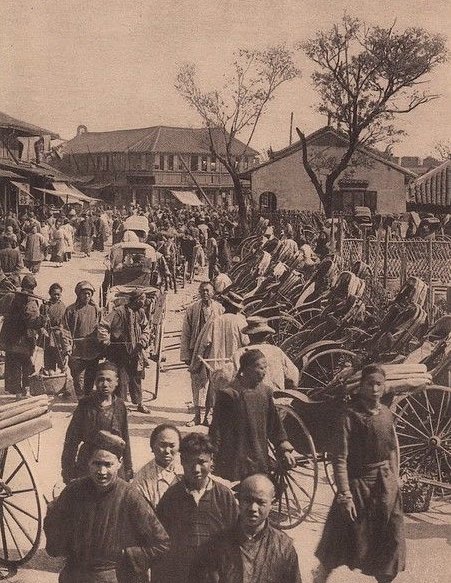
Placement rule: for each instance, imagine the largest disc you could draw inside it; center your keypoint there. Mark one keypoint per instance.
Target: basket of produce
(47, 382)
(416, 497)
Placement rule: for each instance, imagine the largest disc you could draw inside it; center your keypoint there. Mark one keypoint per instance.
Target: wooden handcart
(20, 498)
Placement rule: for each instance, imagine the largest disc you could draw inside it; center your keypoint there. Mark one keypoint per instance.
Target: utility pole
(291, 127)
(195, 181)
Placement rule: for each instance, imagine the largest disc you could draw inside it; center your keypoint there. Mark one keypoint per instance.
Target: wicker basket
(417, 500)
(48, 385)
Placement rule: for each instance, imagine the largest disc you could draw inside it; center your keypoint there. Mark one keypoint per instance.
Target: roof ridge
(144, 137)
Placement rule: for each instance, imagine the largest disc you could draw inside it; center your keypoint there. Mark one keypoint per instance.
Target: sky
(111, 64)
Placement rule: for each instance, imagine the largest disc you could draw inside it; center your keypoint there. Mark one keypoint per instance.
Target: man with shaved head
(252, 551)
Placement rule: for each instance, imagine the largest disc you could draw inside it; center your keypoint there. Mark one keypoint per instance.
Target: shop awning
(187, 197)
(68, 193)
(24, 192)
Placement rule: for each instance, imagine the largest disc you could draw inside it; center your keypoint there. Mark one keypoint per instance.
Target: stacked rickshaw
(332, 322)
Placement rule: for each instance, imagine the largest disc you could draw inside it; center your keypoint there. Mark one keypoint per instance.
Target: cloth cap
(257, 325)
(108, 442)
(81, 285)
(29, 282)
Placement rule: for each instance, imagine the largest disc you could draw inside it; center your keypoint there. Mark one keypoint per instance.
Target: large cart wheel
(321, 369)
(295, 488)
(423, 427)
(20, 509)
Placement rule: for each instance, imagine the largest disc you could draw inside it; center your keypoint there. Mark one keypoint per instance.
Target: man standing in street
(126, 333)
(252, 551)
(196, 316)
(192, 510)
(281, 373)
(103, 526)
(18, 336)
(81, 319)
(11, 262)
(86, 231)
(220, 338)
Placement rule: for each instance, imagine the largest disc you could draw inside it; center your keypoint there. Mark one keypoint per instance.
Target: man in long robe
(81, 319)
(220, 338)
(103, 526)
(196, 316)
(126, 333)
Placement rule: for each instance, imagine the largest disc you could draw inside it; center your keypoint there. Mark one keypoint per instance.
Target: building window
(161, 161)
(204, 163)
(268, 202)
(213, 164)
(180, 163)
(156, 163)
(194, 163)
(170, 162)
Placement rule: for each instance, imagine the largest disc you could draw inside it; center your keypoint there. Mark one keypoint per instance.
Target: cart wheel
(319, 373)
(328, 470)
(295, 488)
(423, 427)
(20, 509)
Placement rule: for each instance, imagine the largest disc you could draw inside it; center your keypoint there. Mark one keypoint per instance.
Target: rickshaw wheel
(20, 510)
(423, 428)
(295, 488)
(319, 373)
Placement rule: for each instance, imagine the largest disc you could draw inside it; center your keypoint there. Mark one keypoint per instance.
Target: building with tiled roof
(153, 165)
(25, 178)
(373, 181)
(432, 191)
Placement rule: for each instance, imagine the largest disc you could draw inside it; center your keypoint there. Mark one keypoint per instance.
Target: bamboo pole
(195, 181)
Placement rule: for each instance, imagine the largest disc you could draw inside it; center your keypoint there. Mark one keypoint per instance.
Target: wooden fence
(393, 261)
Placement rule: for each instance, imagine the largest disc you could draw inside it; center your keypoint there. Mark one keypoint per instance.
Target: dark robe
(106, 537)
(375, 542)
(88, 419)
(190, 526)
(269, 557)
(244, 419)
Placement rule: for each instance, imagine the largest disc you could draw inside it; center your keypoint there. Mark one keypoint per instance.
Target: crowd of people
(199, 510)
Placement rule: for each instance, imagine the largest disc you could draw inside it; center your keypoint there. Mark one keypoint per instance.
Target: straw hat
(257, 325)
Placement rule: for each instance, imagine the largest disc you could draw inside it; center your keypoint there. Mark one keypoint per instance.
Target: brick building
(155, 165)
(372, 181)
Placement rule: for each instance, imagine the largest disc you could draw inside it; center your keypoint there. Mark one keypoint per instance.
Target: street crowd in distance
(199, 510)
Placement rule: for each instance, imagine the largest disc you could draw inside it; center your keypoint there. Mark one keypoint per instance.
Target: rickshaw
(135, 265)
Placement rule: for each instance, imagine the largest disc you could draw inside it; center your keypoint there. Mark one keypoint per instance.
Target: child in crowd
(192, 510)
(244, 419)
(101, 410)
(153, 479)
(365, 526)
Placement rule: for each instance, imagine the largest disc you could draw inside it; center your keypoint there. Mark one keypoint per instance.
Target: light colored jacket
(191, 327)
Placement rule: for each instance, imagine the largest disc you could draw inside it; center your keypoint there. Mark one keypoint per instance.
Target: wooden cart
(20, 499)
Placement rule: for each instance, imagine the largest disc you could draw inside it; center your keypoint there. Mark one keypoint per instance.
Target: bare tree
(442, 149)
(238, 106)
(365, 77)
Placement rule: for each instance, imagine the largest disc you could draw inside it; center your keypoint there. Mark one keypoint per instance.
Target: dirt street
(428, 535)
